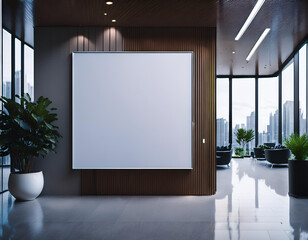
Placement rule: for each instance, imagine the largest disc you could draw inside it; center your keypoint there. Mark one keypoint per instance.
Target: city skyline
(7, 86)
(271, 133)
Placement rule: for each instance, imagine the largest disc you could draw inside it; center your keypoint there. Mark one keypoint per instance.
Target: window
(29, 72)
(7, 64)
(302, 90)
(6, 92)
(243, 107)
(288, 100)
(8, 83)
(268, 110)
(17, 67)
(222, 112)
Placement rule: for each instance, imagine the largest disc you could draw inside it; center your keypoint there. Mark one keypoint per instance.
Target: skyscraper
(302, 122)
(250, 123)
(18, 83)
(222, 135)
(7, 89)
(288, 119)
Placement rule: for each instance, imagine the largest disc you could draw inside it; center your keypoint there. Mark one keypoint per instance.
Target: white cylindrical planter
(26, 186)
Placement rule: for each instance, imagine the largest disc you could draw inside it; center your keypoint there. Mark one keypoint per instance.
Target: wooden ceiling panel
(152, 13)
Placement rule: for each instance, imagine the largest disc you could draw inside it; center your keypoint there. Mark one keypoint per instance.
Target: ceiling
(287, 19)
(127, 13)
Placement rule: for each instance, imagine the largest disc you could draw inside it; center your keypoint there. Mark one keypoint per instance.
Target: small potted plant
(298, 166)
(239, 152)
(27, 132)
(242, 138)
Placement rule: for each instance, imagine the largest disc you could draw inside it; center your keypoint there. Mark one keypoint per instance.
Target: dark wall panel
(52, 76)
(202, 179)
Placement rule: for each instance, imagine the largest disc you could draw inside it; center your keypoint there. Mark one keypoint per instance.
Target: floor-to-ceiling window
(288, 100)
(17, 68)
(222, 112)
(268, 110)
(6, 92)
(29, 71)
(302, 90)
(7, 64)
(243, 107)
(15, 81)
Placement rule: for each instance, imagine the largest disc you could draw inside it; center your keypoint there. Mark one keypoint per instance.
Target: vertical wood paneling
(202, 179)
(106, 39)
(112, 44)
(92, 39)
(99, 44)
(119, 41)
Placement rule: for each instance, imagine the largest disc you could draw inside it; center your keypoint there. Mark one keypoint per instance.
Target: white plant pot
(26, 186)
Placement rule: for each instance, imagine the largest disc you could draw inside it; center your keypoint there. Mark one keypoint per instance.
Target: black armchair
(277, 156)
(223, 157)
(259, 153)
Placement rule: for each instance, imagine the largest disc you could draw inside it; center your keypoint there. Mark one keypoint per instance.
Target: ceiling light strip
(260, 40)
(250, 18)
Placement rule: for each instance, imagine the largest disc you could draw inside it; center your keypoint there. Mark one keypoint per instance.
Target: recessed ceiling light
(248, 21)
(260, 40)
(109, 2)
(233, 52)
(105, 14)
(113, 20)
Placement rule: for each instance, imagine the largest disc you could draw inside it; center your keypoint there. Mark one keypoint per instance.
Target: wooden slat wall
(202, 179)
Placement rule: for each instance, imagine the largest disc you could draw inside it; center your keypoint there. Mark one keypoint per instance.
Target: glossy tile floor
(251, 203)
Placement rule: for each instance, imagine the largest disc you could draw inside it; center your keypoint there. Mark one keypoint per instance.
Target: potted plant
(239, 152)
(243, 137)
(298, 166)
(27, 132)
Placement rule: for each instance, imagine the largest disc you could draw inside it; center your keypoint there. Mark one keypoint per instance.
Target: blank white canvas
(132, 110)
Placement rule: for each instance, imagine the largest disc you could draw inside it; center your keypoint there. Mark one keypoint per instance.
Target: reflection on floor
(251, 203)
(6, 172)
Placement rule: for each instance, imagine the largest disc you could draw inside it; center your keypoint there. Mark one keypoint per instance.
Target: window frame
(13, 67)
(293, 57)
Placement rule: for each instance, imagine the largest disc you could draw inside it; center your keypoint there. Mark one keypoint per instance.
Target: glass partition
(7, 64)
(268, 110)
(288, 100)
(17, 67)
(6, 92)
(222, 112)
(243, 107)
(302, 90)
(29, 71)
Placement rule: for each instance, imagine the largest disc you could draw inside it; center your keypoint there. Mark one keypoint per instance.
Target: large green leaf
(27, 130)
(240, 135)
(298, 145)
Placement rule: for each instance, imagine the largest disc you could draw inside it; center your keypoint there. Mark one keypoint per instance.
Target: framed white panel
(132, 110)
